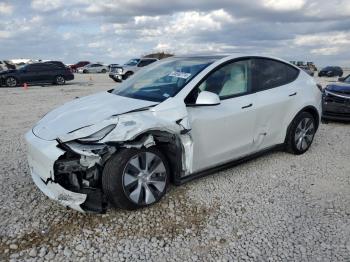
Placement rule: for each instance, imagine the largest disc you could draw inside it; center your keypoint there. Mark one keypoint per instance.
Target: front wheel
(104, 71)
(11, 81)
(135, 178)
(301, 133)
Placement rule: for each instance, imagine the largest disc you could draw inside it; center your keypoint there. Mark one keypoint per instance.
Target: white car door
(223, 132)
(276, 95)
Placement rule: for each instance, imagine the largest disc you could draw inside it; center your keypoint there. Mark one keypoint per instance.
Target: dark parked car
(58, 63)
(79, 64)
(331, 71)
(36, 73)
(336, 101)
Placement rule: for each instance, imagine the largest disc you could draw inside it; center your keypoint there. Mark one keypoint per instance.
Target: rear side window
(268, 73)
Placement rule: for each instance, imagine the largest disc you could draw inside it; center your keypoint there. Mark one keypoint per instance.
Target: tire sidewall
(112, 177)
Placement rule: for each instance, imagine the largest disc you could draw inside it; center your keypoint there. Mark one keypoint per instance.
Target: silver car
(93, 68)
(120, 73)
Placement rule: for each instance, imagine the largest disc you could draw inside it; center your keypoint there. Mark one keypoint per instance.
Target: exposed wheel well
(170, 146)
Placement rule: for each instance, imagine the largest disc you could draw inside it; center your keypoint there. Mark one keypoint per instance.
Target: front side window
(227, 81)
(132, 62)
(230, 80)
(268, 73)
(164, 79)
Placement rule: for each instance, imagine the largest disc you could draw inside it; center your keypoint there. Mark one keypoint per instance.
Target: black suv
(331, 71)
(36, 73)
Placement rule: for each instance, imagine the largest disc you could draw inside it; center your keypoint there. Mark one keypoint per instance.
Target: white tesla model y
(177, 119)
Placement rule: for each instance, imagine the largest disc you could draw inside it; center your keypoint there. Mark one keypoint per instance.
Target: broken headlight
(98, 135)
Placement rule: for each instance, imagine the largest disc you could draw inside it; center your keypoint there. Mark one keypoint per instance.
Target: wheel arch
(168, 143)
(310, 109)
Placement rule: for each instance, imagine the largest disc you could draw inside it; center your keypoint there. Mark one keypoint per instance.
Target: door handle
(247, 106)
(293, 94)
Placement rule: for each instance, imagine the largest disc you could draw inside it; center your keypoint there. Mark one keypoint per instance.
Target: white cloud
(326, 51)
(334, 38)
(46, 5)
(5, 34)
(284, 5)
(195, 21)
(6, 9)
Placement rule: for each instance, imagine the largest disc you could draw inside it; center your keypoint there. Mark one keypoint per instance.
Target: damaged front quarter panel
(166, 126)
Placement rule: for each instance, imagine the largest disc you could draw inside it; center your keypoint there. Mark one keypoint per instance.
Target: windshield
(132, 62)
(163, 79)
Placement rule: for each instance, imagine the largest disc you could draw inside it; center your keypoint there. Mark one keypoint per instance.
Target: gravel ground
(277, 207)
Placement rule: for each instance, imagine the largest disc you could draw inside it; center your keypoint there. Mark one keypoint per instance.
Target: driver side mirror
(208, 99)
(341, 79)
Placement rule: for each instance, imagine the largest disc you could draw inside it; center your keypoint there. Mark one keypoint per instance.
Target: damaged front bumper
(55, 175)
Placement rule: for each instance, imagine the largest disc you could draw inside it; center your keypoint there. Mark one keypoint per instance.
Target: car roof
(230, 56)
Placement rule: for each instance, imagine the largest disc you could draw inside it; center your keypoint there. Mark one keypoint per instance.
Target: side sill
(183, 180)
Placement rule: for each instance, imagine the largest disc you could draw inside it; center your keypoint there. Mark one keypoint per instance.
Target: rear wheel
(104, 71)
(59, 80)
(135, 178)
(301, 133)
(11, 81)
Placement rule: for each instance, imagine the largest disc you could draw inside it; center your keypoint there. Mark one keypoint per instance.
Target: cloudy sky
(116, 30)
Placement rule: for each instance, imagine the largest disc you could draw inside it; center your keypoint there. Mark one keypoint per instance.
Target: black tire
(298, 141)
(11, 81)
(127, 75)
(104, 71)
(113, 179)
(85, 71)
(59, 80)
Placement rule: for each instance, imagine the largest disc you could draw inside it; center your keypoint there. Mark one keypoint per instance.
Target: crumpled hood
(85, 112)
(339, 88)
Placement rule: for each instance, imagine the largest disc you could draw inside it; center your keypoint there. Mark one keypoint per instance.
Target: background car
(120, 73)
(93, 68)
(78, 65)
(331, 71)
(336, 101)
(58, 63)
(174, 122)
(6, 65)
(307, 70)
(36, 73)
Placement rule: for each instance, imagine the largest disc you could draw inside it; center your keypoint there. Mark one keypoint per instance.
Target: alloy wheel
(304, 134)
(60, 80)
(11, 82)
(144, 178)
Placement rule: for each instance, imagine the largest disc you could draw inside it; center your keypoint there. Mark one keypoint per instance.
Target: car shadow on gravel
(175, 215)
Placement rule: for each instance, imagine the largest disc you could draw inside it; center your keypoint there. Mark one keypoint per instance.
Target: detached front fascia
(42, 155)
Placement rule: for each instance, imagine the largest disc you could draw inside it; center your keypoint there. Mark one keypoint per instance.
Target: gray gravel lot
(278, 207)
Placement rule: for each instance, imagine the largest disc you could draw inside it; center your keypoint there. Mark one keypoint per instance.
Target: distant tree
(159, 55)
